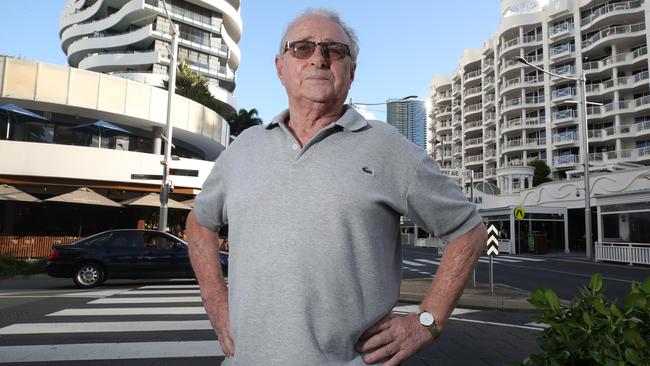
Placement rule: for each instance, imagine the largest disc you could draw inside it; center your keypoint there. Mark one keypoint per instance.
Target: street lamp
(166, 184)
(582, 82)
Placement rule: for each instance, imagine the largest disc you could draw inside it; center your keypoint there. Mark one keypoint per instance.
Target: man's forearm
(455, 268)
(204, 255)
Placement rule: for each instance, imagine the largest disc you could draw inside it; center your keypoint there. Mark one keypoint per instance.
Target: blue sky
(403, 44)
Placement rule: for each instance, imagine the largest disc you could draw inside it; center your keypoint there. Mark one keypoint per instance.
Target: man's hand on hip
(393, 339)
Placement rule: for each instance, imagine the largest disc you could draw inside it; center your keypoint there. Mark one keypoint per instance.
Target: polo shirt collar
(351, 120)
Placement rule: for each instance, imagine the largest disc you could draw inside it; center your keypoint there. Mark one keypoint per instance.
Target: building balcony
(473, 75)
(488, 64)
(514, 163)
(615, 32)
(474, 125)
(628, 58)
(621, 156)
(534, 122)
(489, 119)
(475, 142)
(473, 92)
(490, 172)
(533, 80)
(624, 106)
(562, 51)
(561, 95)
(609, 10)
(489, 136)
(511, 124)
(443, 126)
(474, 108)
(511, 104)
(627, 82)
(490, 155)
(473, 160)
(443, 111)
(488, 83)
(565, 138)
(566, 71)
(565, 116)
(566, 161)
(560, 30)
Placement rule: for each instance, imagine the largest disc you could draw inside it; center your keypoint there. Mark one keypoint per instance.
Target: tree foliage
(542, 171)
(242, 120)
(592, 330)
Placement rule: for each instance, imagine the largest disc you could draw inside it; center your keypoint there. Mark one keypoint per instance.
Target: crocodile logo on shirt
(367, 170)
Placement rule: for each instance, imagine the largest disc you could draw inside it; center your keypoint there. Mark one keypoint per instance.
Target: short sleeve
(210, 204)
(435, 202)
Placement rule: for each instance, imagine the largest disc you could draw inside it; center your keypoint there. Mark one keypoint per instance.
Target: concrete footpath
(479, 297)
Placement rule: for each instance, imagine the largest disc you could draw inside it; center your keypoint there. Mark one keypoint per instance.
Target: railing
(510, 43)
(533, 79)
(534, 121)
(563, 93)
(515, 162)
(534, 58)
(566, 160)
(474, 158)
(631, 253)
(566, 26)
(565, 137)
(472, 74)
(474, 141)
(473, 108)
(512, 82)
(535, 141)
(473, 124)
(512, 143)
(563, 48)
(31, 246)
(565, 114)
(610, 31)
(489, 117)
(490, 172)
(609, 8)
(564, 70)
(619, 58)
(533, 38)
(515, 122)
(535, 100)
(473, 90)
(488, 81)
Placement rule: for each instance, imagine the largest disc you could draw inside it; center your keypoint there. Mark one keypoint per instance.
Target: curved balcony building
(132, 38)
(528, 115)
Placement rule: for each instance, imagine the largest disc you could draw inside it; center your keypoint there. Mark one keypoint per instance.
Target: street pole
(585, 162)
(171, 89)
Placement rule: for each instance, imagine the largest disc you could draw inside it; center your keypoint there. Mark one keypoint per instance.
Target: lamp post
(165, 185)
(582, 83)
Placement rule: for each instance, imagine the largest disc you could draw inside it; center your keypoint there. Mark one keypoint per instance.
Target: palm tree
(194, 86)
(242, 120)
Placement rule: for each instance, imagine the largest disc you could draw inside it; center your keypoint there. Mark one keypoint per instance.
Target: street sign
(519, 213)
(493, 240)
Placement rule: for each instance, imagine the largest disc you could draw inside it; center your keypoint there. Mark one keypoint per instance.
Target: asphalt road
(135, 323)
(563, 274)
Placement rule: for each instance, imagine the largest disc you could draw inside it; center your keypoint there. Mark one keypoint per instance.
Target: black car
(123, 254)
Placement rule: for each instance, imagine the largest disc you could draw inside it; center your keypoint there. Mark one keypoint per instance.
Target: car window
(99, 240)
(157, 240)
(124, 239)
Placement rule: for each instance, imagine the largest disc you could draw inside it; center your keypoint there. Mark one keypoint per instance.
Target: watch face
(426, 319)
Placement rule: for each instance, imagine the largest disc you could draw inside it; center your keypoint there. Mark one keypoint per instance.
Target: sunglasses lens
(336, 51)
(303, 49)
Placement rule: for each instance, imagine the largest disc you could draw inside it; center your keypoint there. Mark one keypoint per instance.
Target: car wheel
(88, 275)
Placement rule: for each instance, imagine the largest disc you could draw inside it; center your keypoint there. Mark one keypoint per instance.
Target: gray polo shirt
(314, 234)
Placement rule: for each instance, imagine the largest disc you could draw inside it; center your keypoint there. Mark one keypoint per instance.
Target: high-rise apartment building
(409, 117)
(131, 39)
(496, 114)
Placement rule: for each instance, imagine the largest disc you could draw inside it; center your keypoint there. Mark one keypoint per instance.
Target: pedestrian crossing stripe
(147, 300)
(109, 351)
(187, 310)
(418, 262)
(105, 327)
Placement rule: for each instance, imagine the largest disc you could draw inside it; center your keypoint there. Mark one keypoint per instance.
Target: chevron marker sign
(493, 241)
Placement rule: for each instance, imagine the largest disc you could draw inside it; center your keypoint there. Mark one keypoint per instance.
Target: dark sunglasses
(330, 50)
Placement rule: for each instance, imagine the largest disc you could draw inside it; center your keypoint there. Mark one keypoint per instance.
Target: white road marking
(405, 309)
(424, 273)
(428, 261)
(538, 325)
(109, 351)
(410, 263)
(105, 327)
(130, 311)
(494, 323)
(100, 293)
(523, 258)
(499, 259)
(146, 300)
(160, 292)
(166, 287)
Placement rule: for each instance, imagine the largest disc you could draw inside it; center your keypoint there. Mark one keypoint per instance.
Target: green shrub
(592, 330)
(10, 266)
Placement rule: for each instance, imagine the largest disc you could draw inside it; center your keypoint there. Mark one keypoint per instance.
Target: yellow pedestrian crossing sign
(519, 213)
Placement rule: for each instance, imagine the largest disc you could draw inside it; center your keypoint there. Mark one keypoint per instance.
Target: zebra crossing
(110, 318)
(423, 266)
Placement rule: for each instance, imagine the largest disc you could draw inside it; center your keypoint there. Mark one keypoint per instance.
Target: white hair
(331, 15)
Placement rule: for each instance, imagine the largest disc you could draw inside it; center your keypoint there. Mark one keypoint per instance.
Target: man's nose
(320, 57)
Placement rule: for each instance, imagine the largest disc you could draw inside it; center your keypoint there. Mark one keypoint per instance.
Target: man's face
(316, 79)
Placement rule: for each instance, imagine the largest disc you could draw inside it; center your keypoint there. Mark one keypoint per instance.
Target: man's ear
(278, 68)
(352, 70)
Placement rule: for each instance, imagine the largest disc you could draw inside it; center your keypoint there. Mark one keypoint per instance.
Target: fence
(623, 252)
(31, 246)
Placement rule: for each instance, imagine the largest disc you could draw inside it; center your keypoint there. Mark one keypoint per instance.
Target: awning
(16, 109)
(153, 200)
(11, 193)
(84, 196)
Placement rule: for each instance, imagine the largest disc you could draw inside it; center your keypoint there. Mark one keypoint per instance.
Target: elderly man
(313, 203)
